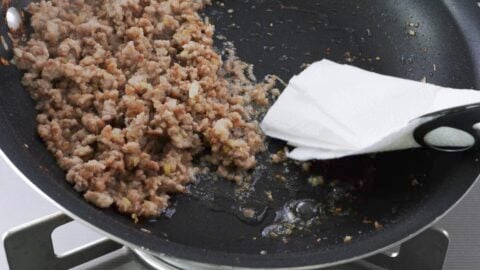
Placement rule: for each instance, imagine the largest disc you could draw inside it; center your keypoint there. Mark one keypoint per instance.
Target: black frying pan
(405, 38)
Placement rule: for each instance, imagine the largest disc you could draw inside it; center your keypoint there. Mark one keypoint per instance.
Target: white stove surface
(20, 204)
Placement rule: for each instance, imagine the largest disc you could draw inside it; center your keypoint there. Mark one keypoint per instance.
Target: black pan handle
(462, 118)
(30, 246)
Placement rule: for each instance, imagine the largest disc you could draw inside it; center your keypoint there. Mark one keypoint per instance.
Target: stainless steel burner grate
(30, 247)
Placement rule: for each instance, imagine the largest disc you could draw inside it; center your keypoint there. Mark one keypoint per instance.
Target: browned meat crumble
(129, 91)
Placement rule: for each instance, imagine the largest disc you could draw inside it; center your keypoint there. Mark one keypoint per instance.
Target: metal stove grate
(30, 247)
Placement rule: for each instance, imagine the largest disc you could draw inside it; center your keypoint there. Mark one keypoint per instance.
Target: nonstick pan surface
(405, 191)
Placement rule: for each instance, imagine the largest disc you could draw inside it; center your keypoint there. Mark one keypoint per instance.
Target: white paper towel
(332, 110)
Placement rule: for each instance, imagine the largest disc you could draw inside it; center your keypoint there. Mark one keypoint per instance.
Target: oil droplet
(294, 217)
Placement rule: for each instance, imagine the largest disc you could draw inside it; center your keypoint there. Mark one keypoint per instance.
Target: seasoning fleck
(316, 180)
(275, 92)
(135, 218)
(367, 221)
(304, 65)
(248, 212)
(306, 166)
(348, 57)
(347, 239)
(4, 61)
(269, 195)
(414, 182)
(369, 32)
(279, 156)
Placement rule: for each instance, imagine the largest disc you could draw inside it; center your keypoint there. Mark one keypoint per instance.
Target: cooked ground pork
(130, 91)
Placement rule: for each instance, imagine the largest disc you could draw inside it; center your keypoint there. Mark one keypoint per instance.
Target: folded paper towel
(332, 110)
